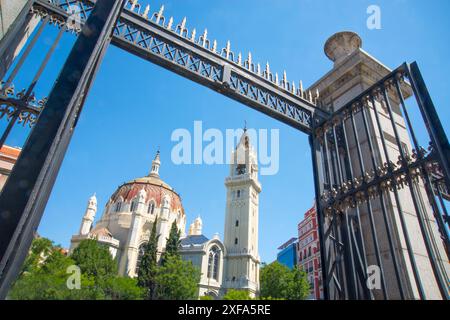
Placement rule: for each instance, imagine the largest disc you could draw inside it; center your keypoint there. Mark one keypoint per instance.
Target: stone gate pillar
(353, 72)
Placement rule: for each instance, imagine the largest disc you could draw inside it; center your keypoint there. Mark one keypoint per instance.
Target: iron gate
(360, 214)
(373, 187)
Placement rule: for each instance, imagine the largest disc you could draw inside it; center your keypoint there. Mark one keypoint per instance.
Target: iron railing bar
(348, 258)
(385, 215)
(45, 62)
(433, 124)
(431, 253)
(369, 204)
(426, 177)
(26, 52)
(399, 208)
(358, 212)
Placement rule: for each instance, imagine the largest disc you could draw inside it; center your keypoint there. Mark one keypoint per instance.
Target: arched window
(213, 263)
(151, 208)
(133, 206)
(141, 253)
(118, 206)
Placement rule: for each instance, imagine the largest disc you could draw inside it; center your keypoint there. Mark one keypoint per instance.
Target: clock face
(241, 169)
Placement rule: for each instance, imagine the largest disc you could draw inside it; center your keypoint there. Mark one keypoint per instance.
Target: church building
(132, 210)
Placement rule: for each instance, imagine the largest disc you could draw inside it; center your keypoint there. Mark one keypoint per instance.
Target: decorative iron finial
(169, 25)
(249, 60)
(276, 78)
(310, 96)
(258, 69)
(160, 14)
(317, 94)
(183, 25)
(205, 37)
(146, 11)
(133, 4)
(267, 69)
(294, 90)
(239, 62)
(301, 88)
(228, 49)
(284, 79)
(194, 34)
(214, 48)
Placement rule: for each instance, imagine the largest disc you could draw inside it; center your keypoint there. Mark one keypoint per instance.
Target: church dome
(156, 190)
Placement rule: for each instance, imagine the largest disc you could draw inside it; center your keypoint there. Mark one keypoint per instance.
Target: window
(309, 252)
(133, 206)
(118, 206)
(151, 208)
(236, 241)
(241, 169)
(213, 263)
(141, 253)
(239, 193)
(237, 223)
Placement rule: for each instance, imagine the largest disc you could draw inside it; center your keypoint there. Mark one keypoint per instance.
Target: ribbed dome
(156, 189)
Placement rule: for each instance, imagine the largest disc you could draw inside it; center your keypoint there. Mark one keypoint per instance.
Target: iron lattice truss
(157, 39)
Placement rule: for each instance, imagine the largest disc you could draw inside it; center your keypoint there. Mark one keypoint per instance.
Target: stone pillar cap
(341, 45)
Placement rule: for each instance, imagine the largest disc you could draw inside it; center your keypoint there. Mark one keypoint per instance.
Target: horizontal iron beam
(168, 49)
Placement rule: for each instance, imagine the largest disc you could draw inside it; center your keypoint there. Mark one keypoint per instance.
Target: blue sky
(134, 106)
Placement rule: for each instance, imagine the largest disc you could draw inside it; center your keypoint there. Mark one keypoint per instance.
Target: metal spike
(183, 25)
(267, 70)
(146, 11)
(317, 94)
(160, 14)
(239, 62)
(294, 90)
(258, 69)
(310, 96)
(170, 24)
(133, 4)
(194, 34)
(284, 79)
(228, 49)
(205, 37)
(214, 48)
(249, 60)
(301, 88)
(276, 78)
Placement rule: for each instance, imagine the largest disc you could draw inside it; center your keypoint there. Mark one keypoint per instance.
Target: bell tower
(241, 220)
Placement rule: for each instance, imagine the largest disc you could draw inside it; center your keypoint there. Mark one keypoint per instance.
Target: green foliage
(94, 259)
(46, 278)
(206, 298)
(149, 265)
(40, 248)
(177, 279)
(279, 282)
(122, 288)
(236, 295)
(173, 243)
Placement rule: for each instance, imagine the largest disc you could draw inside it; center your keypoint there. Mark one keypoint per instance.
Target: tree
(94, 259)
(48, 278)
(173, 242)
(177, 279)
(236, 295)
(122, 288)
(149, 265)
(279, 282)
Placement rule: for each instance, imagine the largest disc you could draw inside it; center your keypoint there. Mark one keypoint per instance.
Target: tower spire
(156, 163)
